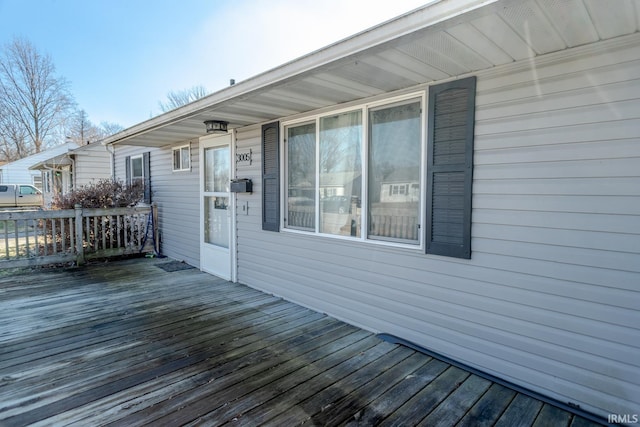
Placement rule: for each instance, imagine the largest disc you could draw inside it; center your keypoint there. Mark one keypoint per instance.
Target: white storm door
(215, 206)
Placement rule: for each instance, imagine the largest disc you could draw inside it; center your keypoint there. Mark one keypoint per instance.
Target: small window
(3, 188)
(137, 171)
(181, 158)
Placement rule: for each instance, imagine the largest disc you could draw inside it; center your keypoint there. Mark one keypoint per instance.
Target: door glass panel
(216, 169)
(216, 221)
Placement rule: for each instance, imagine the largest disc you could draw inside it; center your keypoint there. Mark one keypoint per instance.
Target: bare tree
(179, 98)
(82, 131)
(12, 136)
(109, 128)
(33, 100)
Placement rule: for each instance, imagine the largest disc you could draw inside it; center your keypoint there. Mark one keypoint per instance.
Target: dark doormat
(172, 266)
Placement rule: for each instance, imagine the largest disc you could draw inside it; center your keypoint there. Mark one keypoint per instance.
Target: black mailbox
(241, 186)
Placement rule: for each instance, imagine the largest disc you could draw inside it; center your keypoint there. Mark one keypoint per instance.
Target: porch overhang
(440, 41)
(53, 163)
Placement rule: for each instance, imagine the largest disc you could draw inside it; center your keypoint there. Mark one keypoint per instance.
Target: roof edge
(425, 16)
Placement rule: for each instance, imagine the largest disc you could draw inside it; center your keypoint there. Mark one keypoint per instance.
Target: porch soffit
(61, 160)
(498, 33)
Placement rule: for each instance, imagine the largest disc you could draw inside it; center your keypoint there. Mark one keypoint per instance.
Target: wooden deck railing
(29, 238)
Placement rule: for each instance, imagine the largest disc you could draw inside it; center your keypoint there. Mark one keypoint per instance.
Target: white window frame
(131, 176)
(180, 153)
(364, 107)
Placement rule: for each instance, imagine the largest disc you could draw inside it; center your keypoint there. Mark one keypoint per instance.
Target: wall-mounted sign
(244, 157)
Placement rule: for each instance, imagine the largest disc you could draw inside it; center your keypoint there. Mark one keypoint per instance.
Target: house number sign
(244, 157)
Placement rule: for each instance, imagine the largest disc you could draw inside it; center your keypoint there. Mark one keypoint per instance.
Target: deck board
(252, 392)
(427, 399)
(452, 409)
(522, 411)
(486, 411)
(396, 396)
(127, 343)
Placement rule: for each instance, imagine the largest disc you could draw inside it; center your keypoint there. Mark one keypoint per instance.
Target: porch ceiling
(440, 41)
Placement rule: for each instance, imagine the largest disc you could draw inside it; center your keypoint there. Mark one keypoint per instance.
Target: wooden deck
(126, 343)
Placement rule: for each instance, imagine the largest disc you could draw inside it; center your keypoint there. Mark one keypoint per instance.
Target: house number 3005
(244, 157)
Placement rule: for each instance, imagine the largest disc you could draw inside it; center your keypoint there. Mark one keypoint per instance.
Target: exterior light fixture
(216, 126)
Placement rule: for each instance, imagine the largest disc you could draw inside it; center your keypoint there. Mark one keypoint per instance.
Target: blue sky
(123, 56)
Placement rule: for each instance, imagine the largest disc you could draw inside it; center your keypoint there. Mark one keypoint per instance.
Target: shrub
(104, 193)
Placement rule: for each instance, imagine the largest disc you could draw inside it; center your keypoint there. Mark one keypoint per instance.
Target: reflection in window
(216, 221)
(394, 172)
(216, 169)
(341, 173)
(216, 203)
(301, 184)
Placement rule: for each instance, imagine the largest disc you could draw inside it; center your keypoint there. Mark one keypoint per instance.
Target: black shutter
(146, 167)
(450, 168)
(127, 170)
(271, 177)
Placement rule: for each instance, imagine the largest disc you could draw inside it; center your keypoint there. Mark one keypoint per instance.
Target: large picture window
(362, 179)
(398, 171)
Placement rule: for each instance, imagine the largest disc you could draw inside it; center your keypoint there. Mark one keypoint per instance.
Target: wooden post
(79, 240)
(156, 229)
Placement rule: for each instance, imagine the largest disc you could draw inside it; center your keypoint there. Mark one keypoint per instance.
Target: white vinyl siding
(550, 297)
(92, 164)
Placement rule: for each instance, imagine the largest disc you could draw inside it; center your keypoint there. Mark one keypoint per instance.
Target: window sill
(356, 242)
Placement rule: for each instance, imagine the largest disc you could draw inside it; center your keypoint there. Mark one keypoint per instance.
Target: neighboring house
(520, 121)
(20, 172)
(73, 168)
(400, 186)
